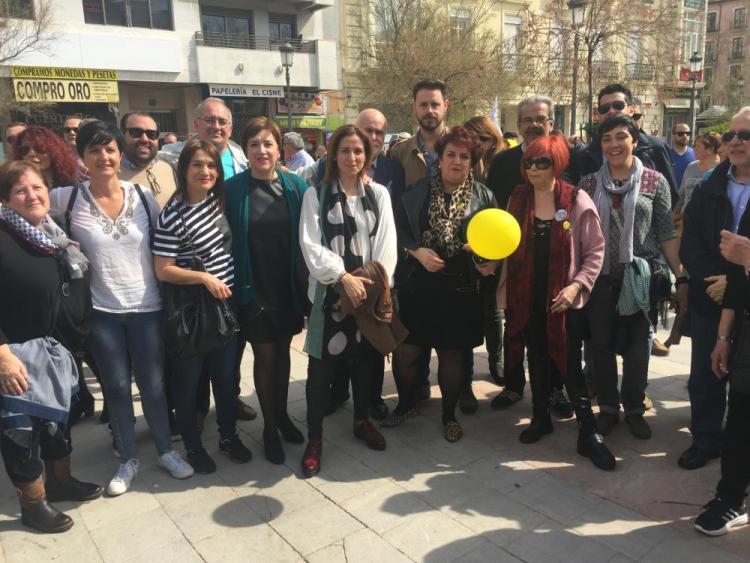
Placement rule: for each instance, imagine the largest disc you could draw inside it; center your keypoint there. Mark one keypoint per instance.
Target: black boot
(540, 426)
(37, 513)
(61, 485)
(591, 445)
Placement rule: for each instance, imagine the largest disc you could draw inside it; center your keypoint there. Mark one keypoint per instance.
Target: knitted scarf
(521, 273)
(444, 234)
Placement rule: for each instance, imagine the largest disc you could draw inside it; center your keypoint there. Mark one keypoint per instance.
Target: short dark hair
(73, 116)
(183, 163)
(97, 132)
(11, 172)
(332, 168)
(615, 121)
(430, 85)
(257, 124)
(614, 89)
(710, 140)
(124, 118)
(460, 136)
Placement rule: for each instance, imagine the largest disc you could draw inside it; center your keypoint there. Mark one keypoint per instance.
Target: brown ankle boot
(61, 485)
(36, 513)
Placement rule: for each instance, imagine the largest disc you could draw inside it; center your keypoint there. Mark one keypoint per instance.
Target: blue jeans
(187, 372)
(116, 340)
(708, 395)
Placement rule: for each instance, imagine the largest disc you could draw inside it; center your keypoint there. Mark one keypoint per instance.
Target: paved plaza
(485, 498)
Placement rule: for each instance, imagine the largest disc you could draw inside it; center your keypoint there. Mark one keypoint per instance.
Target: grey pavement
(485, 498)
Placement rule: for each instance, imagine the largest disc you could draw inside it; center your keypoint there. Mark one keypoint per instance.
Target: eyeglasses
(637, 116)
(23, 150)
(70, 129)
(539, 120)
(618, 105)
(541, 162)
(137, 132)
(220, 121)
(682, 133)
(743, 135)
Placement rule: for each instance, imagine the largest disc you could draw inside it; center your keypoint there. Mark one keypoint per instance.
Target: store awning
(713, 113)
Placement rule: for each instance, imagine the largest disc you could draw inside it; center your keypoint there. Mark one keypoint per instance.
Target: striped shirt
(202, 224)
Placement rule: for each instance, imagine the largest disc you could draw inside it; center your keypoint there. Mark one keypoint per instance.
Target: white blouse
(325, 265)
(119, 251)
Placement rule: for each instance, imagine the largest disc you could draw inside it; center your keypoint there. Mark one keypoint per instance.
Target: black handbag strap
(197, 260)
(69, 208)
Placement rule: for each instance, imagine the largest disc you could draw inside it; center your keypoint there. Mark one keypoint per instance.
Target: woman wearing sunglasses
(440, 304)
(546, 282)
(49, 153)
(634, 207)
(490, 143)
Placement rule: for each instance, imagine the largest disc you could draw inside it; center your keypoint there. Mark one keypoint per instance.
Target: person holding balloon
(546, 282)
(440, 303)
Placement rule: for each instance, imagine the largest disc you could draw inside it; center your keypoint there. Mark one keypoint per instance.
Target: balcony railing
(639, 71)
(605, 69)
(736, 55)
(256, 42)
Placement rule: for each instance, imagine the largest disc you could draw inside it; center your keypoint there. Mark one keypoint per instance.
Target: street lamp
(695, 67)
(577, 10)
(287, 59)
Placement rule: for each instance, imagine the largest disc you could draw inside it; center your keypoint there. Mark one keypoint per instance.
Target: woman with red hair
(49, 153)
(546, 282)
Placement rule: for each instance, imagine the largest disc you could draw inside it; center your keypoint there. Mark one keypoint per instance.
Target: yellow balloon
(493, 234)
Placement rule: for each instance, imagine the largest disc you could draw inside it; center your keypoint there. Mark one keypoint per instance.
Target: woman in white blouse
(113, 223)
(344, 224)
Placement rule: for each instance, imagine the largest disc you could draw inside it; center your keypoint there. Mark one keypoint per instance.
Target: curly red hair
(62, 158)
(554, 146)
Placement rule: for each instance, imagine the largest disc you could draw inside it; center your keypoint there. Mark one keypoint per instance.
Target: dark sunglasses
(23, 150)
(619, 105)
(682, 133)
(70, 129)
(137, 132)
(743, 135)
(637, 116)
(542, 163)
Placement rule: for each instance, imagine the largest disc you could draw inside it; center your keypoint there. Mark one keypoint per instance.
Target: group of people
(369, 252)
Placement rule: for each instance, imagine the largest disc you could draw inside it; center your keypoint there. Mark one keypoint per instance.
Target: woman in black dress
(263, 207)
(441, 304)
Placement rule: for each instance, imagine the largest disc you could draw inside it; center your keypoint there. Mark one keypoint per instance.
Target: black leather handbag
(195, 322)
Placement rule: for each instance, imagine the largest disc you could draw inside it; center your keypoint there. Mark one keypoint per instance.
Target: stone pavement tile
(501, 471)
(486, 552)
(558, 500)
(107, 511)
(282, 498)
(330, 554)
(433, 537)
(386, 506)
(555, 543)
(445, 488)
(260, 543)
(178, 552)
(693, 548)
(497, 518)
(366, 546)
(318, 525)
(620, 558)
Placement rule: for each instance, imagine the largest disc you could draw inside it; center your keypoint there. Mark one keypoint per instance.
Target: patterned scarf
(36, 238)
(444, 234)
(521, 273)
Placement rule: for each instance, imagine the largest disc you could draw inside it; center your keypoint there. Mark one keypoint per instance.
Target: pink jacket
(587, 252)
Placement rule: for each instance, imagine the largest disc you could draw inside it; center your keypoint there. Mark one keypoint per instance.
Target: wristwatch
(722, 338)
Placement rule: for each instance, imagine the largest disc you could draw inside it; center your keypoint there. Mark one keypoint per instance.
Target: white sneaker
(120, 483)
(177, 467)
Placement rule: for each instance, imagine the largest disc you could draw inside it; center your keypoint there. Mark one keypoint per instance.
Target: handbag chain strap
(197, 261)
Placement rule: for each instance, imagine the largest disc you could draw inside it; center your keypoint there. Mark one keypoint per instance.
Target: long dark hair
(332, 168)
(183, 163)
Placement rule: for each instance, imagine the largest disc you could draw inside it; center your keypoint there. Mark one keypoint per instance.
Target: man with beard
(680, 151)
(139, 164)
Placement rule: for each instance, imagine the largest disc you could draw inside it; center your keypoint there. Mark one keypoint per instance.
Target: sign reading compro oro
(60, 84)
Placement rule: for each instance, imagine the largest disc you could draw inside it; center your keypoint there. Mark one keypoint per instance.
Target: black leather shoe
(72, 489)
(606, 421)
(290, 432)
(44, 517)
(539, 427)
(638, 426)
(379, 410)
(467, 401)
(695, 458)
(592, 446)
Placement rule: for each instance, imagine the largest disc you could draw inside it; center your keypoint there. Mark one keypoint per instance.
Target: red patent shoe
(367, 433)
(311, 458)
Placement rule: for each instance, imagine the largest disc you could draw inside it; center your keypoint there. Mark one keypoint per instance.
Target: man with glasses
(12, 132)
(139, 164)
(653, 152)
(70, 130)
(295, 155)
(213, 123)
(680, 151)
(638, 113)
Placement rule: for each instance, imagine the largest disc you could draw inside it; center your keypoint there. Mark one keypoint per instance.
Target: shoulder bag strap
(69, 209)
(146, 206)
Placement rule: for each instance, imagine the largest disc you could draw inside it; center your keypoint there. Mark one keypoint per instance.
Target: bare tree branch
(23, 36)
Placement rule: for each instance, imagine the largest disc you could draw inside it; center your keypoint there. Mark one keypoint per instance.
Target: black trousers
(735, 454)
(340, 385)
(24, 454)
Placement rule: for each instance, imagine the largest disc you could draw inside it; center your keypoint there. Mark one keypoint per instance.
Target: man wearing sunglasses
(681, 153)
(139, 164)
(12, 131)
(653, 152)
(70, 130)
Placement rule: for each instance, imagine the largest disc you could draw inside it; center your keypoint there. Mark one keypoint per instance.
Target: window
(511, 28)
(635, 49)
(710, 54)
(735, 72)
(282, 26)
(739, 19)
(233, 29)
(712, 22)
(692, 37)
(737, 45)
(21, 9)
(155, 14)
(708, 76)
(460, 20)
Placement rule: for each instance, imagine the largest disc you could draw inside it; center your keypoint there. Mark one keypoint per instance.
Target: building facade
(104, 58)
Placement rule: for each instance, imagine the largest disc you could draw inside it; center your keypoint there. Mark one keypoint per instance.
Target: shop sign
(302, 122)
(695, 4)
(302, 102)
(232, 91)
(686, 75)
(61, 84)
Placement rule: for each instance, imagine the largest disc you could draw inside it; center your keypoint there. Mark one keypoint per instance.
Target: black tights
(451, 377)
(271, 366)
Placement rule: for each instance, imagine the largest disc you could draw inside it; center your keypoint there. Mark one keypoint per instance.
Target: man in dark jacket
(653, 152)
(708, 213)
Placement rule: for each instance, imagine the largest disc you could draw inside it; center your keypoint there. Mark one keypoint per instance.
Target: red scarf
(520, 282)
